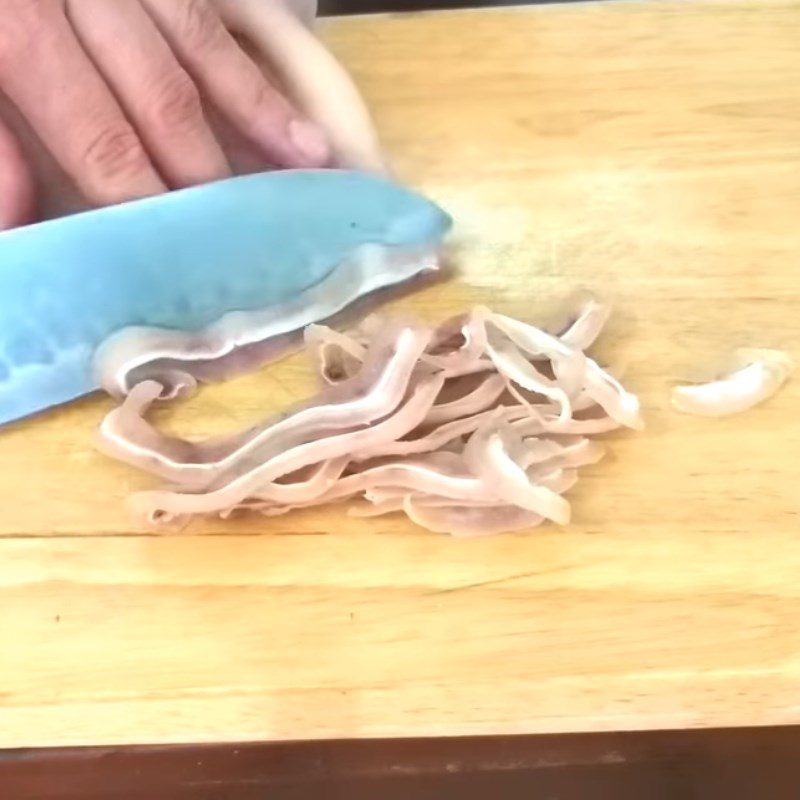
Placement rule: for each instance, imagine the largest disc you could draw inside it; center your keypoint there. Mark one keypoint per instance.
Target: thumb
(16, 183)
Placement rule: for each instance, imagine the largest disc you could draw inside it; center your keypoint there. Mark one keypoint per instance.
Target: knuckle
(113, 154)
(176, 102)
(198, 25)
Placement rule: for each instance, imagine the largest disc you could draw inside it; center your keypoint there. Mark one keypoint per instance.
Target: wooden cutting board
(648, 150)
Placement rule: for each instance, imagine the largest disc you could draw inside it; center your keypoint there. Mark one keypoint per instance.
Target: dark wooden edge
(348, 7)
(757, 763)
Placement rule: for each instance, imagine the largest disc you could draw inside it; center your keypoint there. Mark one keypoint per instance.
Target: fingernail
(310, 142)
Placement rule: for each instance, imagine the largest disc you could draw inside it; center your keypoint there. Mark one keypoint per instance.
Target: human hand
(123, 94)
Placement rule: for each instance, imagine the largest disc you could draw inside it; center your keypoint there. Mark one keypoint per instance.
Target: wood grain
(650, 151)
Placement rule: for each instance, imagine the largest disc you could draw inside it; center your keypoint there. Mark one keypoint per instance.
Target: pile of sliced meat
(477, 426)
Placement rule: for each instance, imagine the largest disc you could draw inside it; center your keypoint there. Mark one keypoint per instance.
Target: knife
(187, 260)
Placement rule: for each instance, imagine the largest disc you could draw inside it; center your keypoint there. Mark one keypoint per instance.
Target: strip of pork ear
(511, 363)
(439, 437)
(465, 518)
(583, 427)
(338, 355)
(609, 393)
(544, 453)
(469, 521)
(539, 450)
(559, 480)
(552, 461)
(365, 510)
(371, 395)
(323, 477)
(281, 497)
(458, 347)
(584, 321)
(487, 456)
(423, 474)
(535, 342)
(484, 396)
(369, 327)
(442, 473)
(572, 369)
(761, 374)
(436, 501)
(568, 459)
(285, 461)
(451, 336)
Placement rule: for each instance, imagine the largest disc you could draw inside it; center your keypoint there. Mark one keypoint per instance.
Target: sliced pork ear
(469, 520)
(488, 455)
(759, 376)
(477, 426)
(582, 321)
(484, 396)
(338, 355)
(372, 394)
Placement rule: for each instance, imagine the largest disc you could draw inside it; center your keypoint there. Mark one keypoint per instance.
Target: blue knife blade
(181, 261)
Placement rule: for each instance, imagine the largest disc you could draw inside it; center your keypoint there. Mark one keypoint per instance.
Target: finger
(244, 156)
(304, 10)
(52, 81)
(154, 90)
(235, 85)
(312, 77)
(16, 182)
(54, 192)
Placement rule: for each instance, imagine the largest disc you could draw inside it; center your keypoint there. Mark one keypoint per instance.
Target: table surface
(649, 150)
